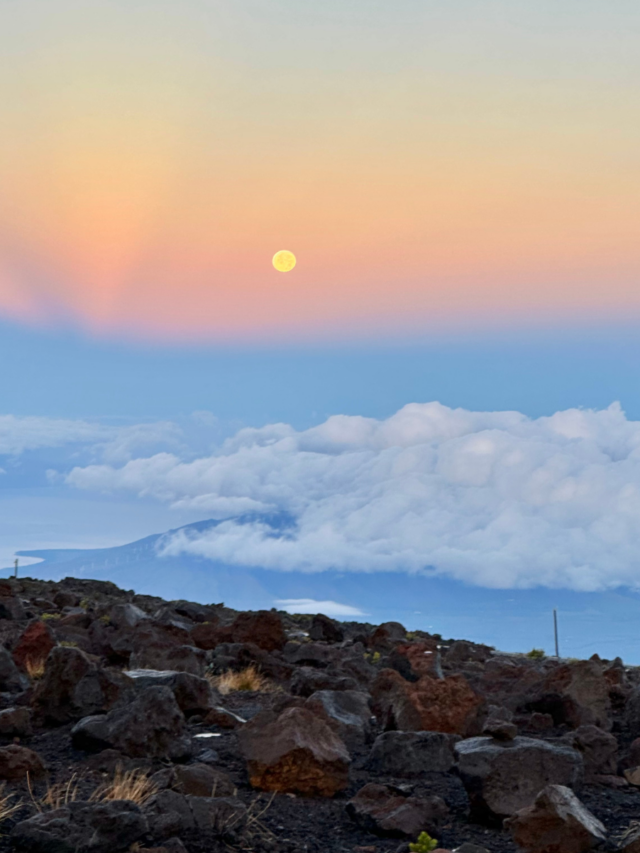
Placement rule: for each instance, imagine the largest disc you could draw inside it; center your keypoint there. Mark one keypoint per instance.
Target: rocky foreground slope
(131, 723)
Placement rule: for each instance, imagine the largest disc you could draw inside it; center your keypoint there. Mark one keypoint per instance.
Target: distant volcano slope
(602, 622)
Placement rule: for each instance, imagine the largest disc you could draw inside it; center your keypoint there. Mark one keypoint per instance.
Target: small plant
(105, 619)
(48, 617)
(132, 785)
(249, 679)
(375, 657)
(536, 654)
(35, 668)
(68, 644)
(424, 844)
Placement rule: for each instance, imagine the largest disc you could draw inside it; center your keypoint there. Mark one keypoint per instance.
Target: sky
(434, 166)
(449, 377)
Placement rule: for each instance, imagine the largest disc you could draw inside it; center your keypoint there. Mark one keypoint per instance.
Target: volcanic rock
(15, 722)
(18, 761)
(193, 694)
(150, 726)
(295, 751)
(385, 811)
(501, 779)
(348, 708)
(557, 822)
(81, 826)
(73, 687)
(325, 629)
(34, 645)
(170, 813)
(439, 705)
(411, 754)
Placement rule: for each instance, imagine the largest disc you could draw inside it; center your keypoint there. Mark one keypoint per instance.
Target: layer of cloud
(114, 444)
(491, 498)
(310, 605)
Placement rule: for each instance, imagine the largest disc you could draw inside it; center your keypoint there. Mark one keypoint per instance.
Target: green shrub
(48, 616)
(536, 654)
(424, 844)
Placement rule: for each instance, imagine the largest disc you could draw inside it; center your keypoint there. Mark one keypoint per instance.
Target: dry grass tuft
(132, 785)
(57, 796)
(249, 679)
(7, 806)
(35, 668)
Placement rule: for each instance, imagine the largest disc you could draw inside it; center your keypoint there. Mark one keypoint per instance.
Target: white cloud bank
(491, 498)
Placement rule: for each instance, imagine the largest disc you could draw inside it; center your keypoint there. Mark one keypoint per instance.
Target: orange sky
(429, 169)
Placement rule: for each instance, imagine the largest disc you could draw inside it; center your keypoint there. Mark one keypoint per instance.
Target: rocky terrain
(132, 723)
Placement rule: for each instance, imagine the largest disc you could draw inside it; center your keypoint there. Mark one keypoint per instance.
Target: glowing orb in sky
(284, 261)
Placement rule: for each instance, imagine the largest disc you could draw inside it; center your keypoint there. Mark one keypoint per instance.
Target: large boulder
(307, 680)
(127, 615)
(295, 751)
(193, 694)
(18, 761)
(348, 709)
(206, 635)
(325, 629)
(80, 826)
(11, 679)
(164, 655)
(34, 644)
(170, 813)
(584, 693)
(196, 780)
(502, 778)
(411, 753)
(385, 636)
(557, 822)
(413, 660)
(317, 655)
(263, 628)
(430, 704)
(387, 812)
(150, 726)
(15, 722)
(74, 687)
(599, 751)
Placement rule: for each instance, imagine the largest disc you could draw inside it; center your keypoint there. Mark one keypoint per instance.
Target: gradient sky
(434, 166)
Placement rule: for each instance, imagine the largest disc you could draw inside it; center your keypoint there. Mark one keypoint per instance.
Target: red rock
(295, 751)
(35, 644)
(206, 635)
(422, 657)
(384, 811)
(585, 693)
(556, 823)
(262, 628)
(437, 705)
(16, 761)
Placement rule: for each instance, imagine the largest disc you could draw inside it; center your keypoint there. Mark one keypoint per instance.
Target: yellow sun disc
(284, 261)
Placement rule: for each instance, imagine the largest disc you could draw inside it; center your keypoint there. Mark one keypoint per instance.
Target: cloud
(114, 444)
(491, 498)
(31, 433)
(310, 605)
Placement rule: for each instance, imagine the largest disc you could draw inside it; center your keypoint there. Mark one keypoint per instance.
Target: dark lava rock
(411, 754)
(501, 779)
(80, 827)
(386, 811)
(150, 726)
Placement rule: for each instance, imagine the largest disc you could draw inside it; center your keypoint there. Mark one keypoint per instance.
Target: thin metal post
(15, 568)
(555, 629)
